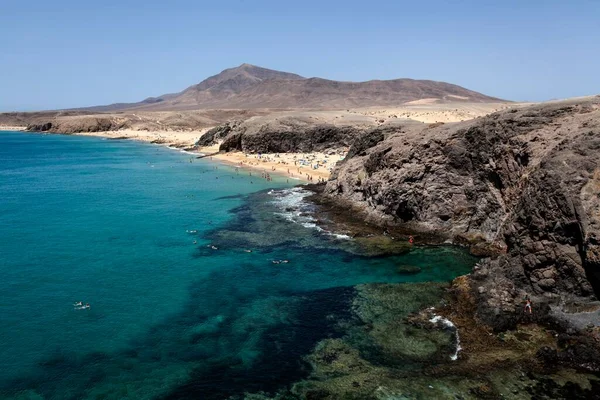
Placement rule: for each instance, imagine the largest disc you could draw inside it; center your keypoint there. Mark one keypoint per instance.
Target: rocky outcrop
(80, 124)
(217, 133)
(521, 186)
(281, 135)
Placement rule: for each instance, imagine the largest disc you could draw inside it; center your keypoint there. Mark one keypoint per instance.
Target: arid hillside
(249, 87)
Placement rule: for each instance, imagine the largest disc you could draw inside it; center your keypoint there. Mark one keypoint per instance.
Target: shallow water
(113, 223)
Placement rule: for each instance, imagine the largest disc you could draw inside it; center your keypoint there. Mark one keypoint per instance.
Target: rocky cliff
(521, 186)
(280, 135)
(77, 122)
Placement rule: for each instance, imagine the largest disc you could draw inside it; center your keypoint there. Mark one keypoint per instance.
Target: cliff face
(77, 122)
(280, 135)
(522, 186)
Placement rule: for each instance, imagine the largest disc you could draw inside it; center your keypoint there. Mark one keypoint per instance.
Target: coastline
(515, 347)
(12, 128)
(305, 167)
(310, 167)
(179, 139)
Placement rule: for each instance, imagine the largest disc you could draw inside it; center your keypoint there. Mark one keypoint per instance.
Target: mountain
(249, 86)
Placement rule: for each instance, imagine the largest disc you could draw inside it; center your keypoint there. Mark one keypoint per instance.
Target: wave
(294, 208)
(183, 151)
(449, 324)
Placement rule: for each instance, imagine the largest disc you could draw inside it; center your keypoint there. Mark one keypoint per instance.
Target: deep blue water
(113, 223)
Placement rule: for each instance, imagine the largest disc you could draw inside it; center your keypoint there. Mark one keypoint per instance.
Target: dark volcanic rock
(217, 133)
(574, 351)
(280, 136)
(315, 138)
(42, 127)
(522, 186)
(81, 124)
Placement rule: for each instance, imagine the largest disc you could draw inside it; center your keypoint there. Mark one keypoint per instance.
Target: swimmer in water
(78, 304)
(248, 251)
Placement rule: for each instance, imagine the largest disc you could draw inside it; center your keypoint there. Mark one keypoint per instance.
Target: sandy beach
(309, 167)
(306, 167)
(180, 139)
(12, 128)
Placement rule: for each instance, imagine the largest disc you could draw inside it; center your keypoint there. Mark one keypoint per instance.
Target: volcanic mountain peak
(238, 78)
(251, 87)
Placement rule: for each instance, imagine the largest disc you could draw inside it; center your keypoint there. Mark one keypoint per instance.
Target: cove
(182, 262)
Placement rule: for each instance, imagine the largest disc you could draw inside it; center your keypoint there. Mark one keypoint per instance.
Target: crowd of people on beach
(311, 161)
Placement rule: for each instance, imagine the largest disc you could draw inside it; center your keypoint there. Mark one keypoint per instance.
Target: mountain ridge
(251, 86)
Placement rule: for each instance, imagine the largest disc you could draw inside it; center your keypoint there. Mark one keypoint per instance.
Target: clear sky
(67, 53)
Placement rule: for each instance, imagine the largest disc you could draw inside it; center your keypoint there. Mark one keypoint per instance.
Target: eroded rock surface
(521, 186)
(281, 135)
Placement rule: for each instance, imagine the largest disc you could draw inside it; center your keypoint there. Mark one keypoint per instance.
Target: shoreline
(13, 128)
(224, 160)
(178, 139)
(311, 167)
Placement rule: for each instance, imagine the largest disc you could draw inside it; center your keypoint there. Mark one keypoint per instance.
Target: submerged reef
(392, 348)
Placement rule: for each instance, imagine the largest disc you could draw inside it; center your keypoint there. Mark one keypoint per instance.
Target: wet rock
(380, 245)
(579, 351)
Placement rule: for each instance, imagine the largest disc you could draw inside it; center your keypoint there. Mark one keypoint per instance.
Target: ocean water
(182, 263)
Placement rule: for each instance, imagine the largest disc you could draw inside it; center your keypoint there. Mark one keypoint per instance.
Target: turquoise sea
(176, 258)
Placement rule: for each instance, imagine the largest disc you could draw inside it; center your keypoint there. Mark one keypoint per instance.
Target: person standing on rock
(528, 305)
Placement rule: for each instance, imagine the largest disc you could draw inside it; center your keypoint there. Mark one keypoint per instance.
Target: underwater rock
(380, 245)
(408, 269)
(387, 353)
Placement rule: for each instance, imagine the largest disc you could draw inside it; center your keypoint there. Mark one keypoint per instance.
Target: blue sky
(64, 53)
